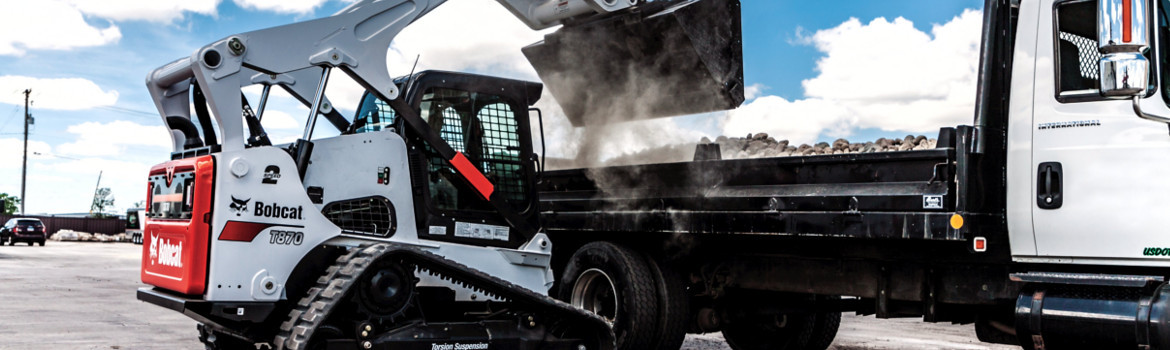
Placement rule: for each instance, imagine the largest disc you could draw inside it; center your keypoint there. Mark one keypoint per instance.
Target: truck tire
(747, 330)
(673, 305)
(825, 327)
(616, 283)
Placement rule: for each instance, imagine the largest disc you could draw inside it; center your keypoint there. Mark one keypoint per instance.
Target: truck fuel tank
(658, 59)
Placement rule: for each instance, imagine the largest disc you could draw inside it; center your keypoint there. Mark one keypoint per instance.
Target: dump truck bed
(907, 194)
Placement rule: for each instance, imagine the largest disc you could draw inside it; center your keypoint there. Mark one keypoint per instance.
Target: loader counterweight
(177, 233)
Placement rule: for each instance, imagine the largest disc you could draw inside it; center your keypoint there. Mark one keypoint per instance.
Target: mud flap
(664, 58)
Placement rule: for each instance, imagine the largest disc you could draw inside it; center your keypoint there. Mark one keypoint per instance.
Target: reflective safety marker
(1126, 20)
(956, 221)
(481, 183)
(980, 244)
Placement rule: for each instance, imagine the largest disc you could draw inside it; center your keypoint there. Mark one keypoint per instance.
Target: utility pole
(24, 162)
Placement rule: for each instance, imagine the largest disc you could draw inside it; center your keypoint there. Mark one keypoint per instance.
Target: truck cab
(1083, 168)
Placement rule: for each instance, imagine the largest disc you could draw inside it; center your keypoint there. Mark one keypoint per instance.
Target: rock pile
(763, 146)
(753, 146)
(76, 236)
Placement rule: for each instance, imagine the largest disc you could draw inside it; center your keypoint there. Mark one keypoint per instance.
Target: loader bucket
(661, 59)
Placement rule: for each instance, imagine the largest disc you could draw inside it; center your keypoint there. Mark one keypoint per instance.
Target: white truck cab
(1083, 168)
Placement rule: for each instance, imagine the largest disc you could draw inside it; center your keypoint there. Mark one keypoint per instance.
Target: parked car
(28, 230)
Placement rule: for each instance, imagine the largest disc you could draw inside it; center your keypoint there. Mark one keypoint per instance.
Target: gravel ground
(69, 295)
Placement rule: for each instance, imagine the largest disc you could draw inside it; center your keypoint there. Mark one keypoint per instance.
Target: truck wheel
(41, 243)
(615, 283)
(825, 327)
(30, 243)
(673, 305)
(745, 329)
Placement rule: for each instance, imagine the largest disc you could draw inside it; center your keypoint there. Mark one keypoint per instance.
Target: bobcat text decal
(273, 210)
(166, 252)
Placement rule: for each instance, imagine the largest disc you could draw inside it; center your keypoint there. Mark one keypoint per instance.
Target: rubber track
(332, 287)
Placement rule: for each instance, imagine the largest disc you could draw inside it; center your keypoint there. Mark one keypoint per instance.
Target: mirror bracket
(1137, 108)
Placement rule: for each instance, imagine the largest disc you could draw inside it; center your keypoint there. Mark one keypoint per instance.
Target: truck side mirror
(1122, 39)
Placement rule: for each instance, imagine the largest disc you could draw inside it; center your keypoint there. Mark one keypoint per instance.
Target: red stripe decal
(174, 197)
(481, 183)
(241, 231)
(1126, 19)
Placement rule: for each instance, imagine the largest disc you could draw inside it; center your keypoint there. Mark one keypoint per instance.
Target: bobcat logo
(239, 206)
(153, 248)
(170, 173)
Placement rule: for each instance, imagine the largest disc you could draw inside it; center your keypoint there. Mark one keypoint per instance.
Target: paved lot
(81, 296)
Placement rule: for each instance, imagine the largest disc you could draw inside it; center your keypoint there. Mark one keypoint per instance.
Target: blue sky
(93, 113)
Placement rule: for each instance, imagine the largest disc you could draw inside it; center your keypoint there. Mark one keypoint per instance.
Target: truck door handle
(1049, 185)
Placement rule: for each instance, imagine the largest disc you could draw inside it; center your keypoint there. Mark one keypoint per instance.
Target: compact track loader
(417, 227)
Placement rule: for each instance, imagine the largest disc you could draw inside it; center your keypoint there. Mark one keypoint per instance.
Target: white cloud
(883, 74)
(111, 139)
(66, 185)
(752, 91)
(274, 119)
(800, 121)
(281, 6)
(164, 11)
(60, 94)
(13, 151)
(466, 35)
(49, 25)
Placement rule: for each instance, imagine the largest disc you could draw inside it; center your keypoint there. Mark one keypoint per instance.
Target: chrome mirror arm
(1137, 108)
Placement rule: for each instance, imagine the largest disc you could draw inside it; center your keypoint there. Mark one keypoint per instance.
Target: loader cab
(486, 119)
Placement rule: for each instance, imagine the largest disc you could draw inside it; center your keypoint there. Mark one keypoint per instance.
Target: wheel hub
(595, 292)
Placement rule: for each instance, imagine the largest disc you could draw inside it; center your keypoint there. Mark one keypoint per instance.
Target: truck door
(1097, 169)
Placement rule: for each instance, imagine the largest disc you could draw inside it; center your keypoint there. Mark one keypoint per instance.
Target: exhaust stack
(659, 59)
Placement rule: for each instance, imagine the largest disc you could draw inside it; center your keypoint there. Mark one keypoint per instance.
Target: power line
(55, 156)
(131, 112)
(11, 117)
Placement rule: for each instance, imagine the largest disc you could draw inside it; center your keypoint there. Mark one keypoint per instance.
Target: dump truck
(1039, 223)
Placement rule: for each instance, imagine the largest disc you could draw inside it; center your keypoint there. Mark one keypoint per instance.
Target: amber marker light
(956, 221)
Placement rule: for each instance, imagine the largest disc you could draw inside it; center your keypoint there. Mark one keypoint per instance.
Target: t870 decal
(285, 237)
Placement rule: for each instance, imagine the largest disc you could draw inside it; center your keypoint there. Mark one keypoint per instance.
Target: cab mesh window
(501, 150)
(376, 113)
(1076, 47)
(1088, 57)
(484, 128)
